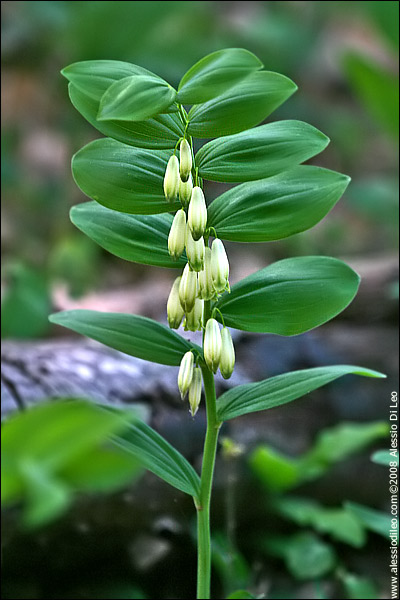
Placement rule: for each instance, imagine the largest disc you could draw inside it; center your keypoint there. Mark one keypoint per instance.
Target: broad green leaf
(377, 88)
(159, 457)
(102, 470)
(123, 178)
(162, 131)
(290, 296)
(308, 557)
(260, 152)
(277, 471)
(240, 594)
(94, 77)
(337, 522)
(88, 82)
(278, 207)
(358, 587)
(374, 520)
(215, 73)
(386, 457)
(337, 443)
(305, 554)
(131, 334)
(138, 238)
(135, 98)
(243, 106)
(53, 434)
(275, 391)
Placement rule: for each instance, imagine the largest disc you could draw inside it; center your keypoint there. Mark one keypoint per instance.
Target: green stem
(203, 509)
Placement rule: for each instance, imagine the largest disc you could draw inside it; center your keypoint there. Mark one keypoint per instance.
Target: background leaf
(375, 520)
(384, 457)
(131, 334)
(159, 457)
(278, 207)
(138, 238)
(259, 152)
(290, 296)
(243, 106)
(123, 178)
(135, 98)
(275, 391)
(215, 73)
(339, 523)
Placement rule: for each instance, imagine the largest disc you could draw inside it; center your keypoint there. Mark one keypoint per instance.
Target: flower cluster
(205, 275)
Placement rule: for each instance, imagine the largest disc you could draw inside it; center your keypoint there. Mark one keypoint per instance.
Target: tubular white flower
(177, 235)
(194, 319)
(185, 191)
(188, 289)
(175, 311)
(212, 345)
(171, 179)
(194, 251)
(227, 360)
(206, 286)
(219, 266)
(185, 374)
(185, 165)
(195, 391)
(197, 213)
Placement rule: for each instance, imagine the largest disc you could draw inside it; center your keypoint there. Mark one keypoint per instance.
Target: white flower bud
(195, 391)
(212, 344)
(185, 374)
(175, 311)
(185, 191)
(177, 235)
(185, 165)
(197, 213)
(194, 319)
(219, 266)
(227, 360)
(188, 289)
(194, 251)
(206, 286)
(171, 179)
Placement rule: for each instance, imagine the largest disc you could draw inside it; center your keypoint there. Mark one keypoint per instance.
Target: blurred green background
(343, 57)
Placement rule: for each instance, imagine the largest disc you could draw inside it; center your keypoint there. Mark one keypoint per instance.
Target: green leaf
(123, 178)
(375, 520)
(135, 98)
(131, 334)
(138, 238)
(277, 471)
(90, 79)
(275, 391)
(385, 457)
(358, 587)
(243, 106)
(159, 457)
(337, 443)
(162, 131)
(215, 73)
(290, 296)
(308, 557)
(94, 77)
(102, 470)
(278, 207)
(230, 564)
(377, 88)
(305, 554)
(337, 522)
(260, 152)
(240, 594)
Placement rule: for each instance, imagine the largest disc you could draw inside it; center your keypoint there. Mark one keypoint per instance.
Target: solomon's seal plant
(151, 207)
